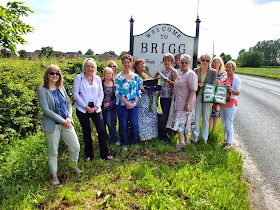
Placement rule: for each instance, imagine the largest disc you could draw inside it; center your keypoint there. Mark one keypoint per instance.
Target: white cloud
(69, 25)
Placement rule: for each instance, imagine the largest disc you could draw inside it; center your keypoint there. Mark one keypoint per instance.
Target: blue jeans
(112, 129)
(125, 116)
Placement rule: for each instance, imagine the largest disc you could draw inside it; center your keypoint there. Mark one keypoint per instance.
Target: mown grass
(264, 72)
(152, 175)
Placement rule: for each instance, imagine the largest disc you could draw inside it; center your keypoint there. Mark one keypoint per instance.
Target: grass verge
(152, 175)
(264, 72)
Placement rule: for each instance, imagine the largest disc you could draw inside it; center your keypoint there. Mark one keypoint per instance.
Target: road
(257, 128)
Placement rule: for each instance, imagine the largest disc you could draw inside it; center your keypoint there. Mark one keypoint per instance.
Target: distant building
(106, 56)
(58, 54)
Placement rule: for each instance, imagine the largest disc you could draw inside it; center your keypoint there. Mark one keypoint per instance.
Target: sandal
(227, 147)
(87, 159)
(109, 157)
(222, 142)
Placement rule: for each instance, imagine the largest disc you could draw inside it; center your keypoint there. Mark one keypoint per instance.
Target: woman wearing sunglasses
(114, 66)
(57, 120)
(208, 75)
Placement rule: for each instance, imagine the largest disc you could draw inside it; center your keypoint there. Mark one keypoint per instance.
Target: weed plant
(151, 175)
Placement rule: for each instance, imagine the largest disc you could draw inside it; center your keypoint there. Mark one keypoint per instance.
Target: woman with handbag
(168, 76)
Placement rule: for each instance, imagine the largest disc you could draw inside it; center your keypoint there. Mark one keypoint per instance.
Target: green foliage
(23, 54)
(6, 53)
(252, 59)
(264, 72)
(123, 53)
(47, 52)
(89, 52)
(270, 50)
(152, 175)
(12, 27)
(19, 81)
(225, 57)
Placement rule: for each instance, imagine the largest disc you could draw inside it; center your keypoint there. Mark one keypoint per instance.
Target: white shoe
(78, 171)
(55, 180)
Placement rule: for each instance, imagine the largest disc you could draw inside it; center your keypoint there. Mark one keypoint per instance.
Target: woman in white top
(88, 93)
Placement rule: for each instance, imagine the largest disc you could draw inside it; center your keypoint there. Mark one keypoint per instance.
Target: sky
(227, 26)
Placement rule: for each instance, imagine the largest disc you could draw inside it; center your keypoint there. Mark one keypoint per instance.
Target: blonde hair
(53, 68)
(168, 56)
(222, 65)
(110, 70)
(232, 63)
(113, 63)
(89, 61)
(205, 57)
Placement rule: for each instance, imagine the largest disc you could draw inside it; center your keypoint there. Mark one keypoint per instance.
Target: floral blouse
(130, 89)
(221, 76)
(167, 88)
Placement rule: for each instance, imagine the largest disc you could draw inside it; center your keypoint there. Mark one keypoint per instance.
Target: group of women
(124, 95)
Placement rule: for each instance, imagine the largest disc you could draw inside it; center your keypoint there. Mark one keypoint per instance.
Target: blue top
(60, 103)
(130, 89)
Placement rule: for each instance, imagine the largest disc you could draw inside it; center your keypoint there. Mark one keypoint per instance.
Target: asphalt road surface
(257, 127)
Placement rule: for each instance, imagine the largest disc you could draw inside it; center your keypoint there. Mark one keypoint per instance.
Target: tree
(6, 53)
(89, 52)
(12, 27)
(251, 59)
(47, 52)
(112, 53)
(225, 57)
(270, 50)
(23, 54)
(123, 53)
(80, 52)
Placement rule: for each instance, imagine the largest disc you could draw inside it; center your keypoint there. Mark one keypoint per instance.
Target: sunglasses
(112, 66)
(182, 62)
(205, 60)
(53, 73)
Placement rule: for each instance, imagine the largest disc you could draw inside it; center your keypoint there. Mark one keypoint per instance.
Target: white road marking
(275, 93)
(264, 89)
(254, 85)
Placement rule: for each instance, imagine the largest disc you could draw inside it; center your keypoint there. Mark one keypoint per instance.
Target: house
(106, 56)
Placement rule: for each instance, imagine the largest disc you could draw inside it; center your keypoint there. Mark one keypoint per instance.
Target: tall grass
(152, 175)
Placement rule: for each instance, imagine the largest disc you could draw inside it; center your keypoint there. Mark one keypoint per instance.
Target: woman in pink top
(185, 87)
(228, 111)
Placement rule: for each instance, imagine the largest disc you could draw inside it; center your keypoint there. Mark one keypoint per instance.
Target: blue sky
(70, 25)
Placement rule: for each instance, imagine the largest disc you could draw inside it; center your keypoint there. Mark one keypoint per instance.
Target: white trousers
(70, 138)
(203, 110)
(227, 116)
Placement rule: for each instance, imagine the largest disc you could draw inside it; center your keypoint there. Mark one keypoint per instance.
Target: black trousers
(97, 119)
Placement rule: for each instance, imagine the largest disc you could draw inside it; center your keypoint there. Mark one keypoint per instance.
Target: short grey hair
(186, 57)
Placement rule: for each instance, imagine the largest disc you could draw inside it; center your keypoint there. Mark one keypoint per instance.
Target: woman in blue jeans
(109, 110)
(127, 88)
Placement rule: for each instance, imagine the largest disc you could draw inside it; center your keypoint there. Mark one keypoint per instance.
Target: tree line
(12, 29)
